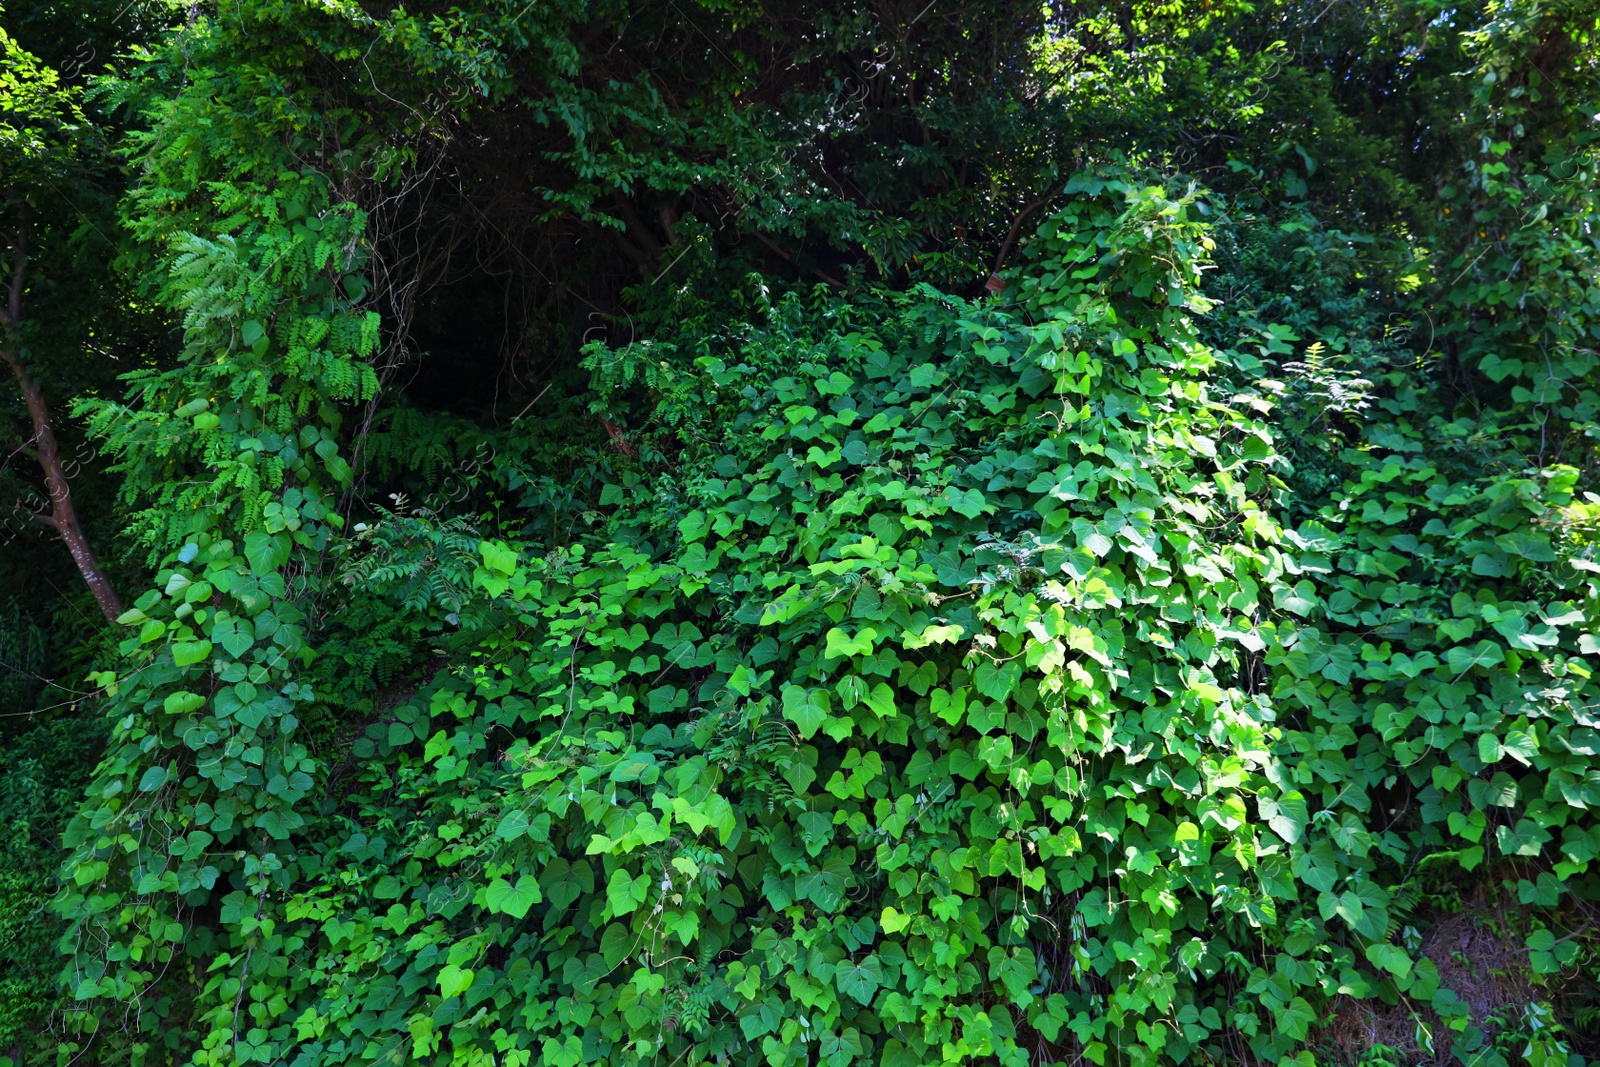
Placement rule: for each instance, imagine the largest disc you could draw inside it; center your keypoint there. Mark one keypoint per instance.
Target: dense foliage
(799, 534)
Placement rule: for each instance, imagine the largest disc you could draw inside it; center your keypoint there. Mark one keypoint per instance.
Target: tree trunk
(63, 516)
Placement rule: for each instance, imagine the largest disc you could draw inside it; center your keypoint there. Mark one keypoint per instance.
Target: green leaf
(1547, 954)
(1521, 746)
(187, 653)
(266, 552)
(1391, 958)
(1526, 838)
(616, 943)
(859, 980)
(1289, 816)
(1300, 599)
(1294, 1019)
(513, 825)
(693, 526)
(279, 824)
(513, 900)
(806, 708)
(816, 830)
(566, 1052)
(1483, 654)
(1347, 906)
(1531, 546)
(825, 886)
(566, 883)
(881, 701)
(997, 680)
(498, 557)
(236, 636)
(968, 502)
(454, 980)
(840, 645)
(182, 703)
(1017, 971)
(626, 892)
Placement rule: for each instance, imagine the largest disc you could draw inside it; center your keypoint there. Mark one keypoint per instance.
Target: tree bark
(63, 517)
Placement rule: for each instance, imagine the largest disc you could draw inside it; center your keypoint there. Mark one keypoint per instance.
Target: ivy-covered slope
(952, 695)
(1096, 670)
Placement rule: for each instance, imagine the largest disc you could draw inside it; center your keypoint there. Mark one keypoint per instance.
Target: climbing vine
(1133, 653)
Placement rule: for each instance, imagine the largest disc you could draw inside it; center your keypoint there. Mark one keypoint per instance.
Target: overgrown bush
(952, 693)
(1016, 648)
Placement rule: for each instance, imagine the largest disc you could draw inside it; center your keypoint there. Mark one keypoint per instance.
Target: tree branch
(628, 249)
(63, 516)
(13, 313)
(637, 230)
(818, 271)
(1016, 228)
